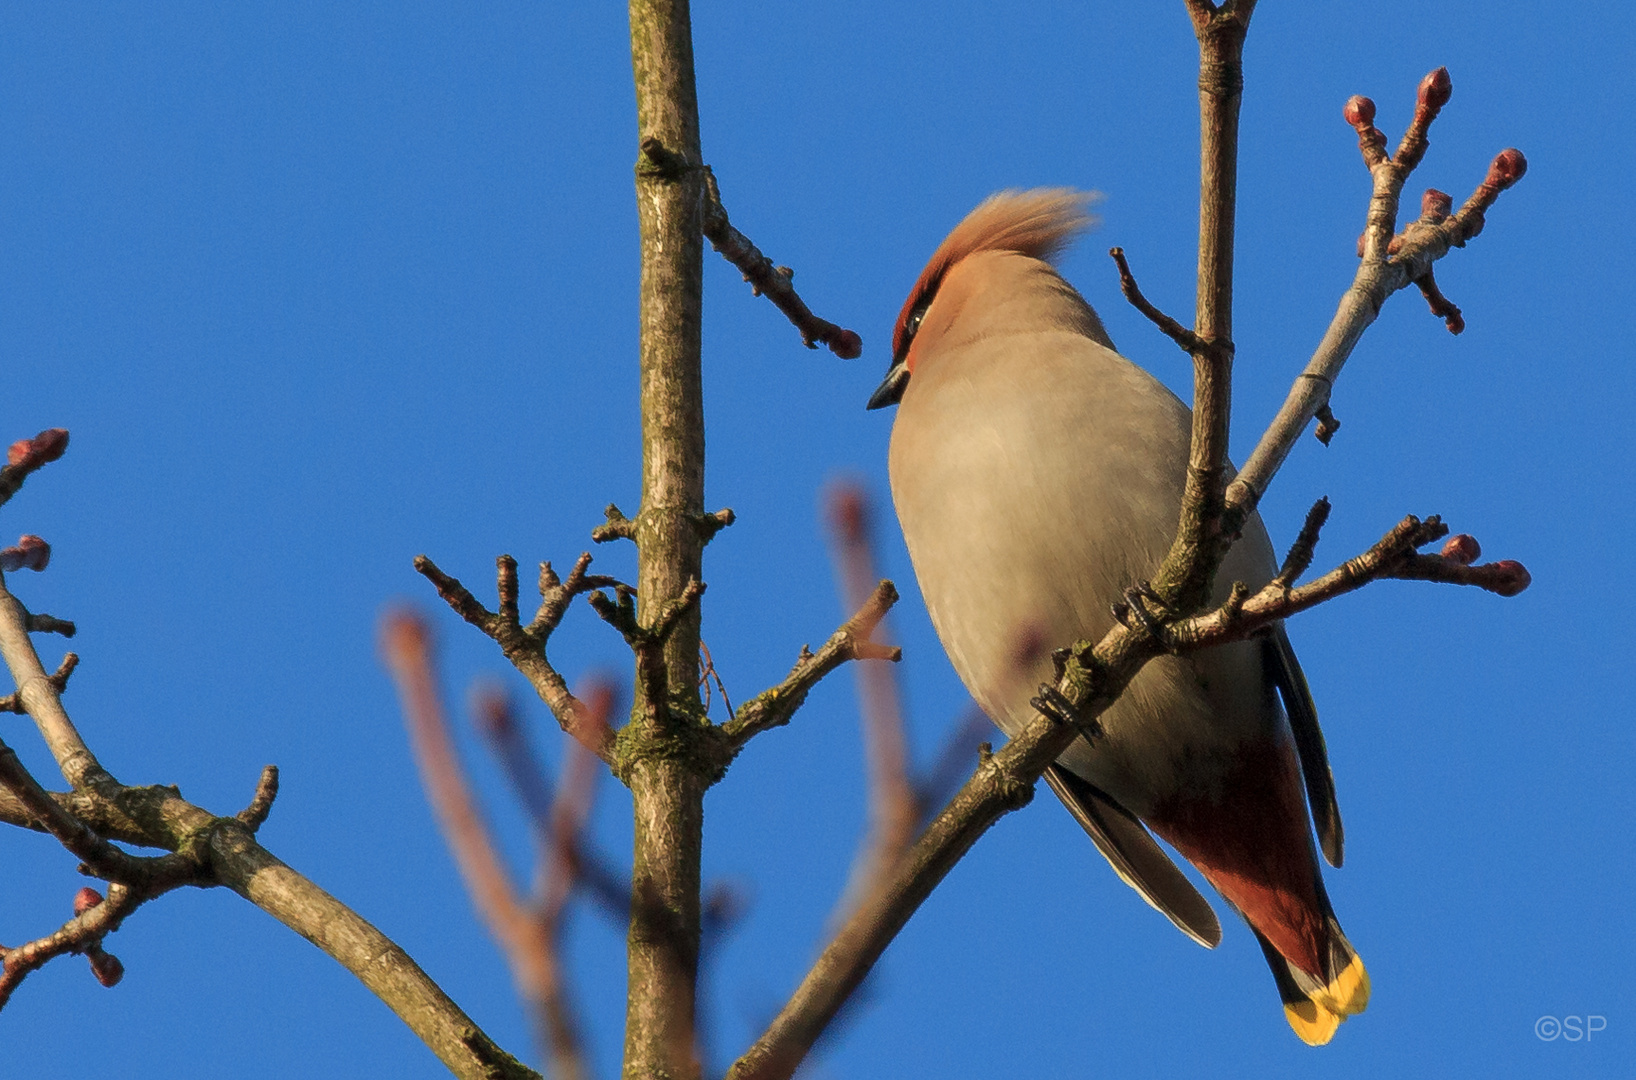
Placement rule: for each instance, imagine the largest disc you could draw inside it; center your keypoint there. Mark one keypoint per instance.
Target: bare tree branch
(94, 919)
(1183, 581)
(773, 707)
(97, 813)
(894, 811)
(254, 816)
(1395, 555)
(204, 850)
(774, 281)
(13, 703)
(1389, 264)
(1002, 783)
(40, 697)
(1175, 331)
(525, 646)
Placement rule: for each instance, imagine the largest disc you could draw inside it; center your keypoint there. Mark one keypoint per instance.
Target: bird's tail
(1315, 1005)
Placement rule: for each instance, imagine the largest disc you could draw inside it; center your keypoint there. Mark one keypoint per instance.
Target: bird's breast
(1036, 477)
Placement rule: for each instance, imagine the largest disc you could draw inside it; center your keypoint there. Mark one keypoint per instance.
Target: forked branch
(202, 849)
(1389, 263)
(525, 646)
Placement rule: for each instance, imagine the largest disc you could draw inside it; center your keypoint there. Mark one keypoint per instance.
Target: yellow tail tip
(1312, 1022)
(1348, 994)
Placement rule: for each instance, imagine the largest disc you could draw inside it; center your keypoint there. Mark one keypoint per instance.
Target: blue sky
(318, 287)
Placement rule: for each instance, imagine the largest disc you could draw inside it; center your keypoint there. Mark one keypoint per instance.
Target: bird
(1037, 476)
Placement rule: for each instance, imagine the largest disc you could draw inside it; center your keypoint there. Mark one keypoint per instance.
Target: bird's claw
(1134, 604)
(1054, 703)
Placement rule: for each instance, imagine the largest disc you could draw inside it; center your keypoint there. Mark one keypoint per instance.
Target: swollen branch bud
(48, 445)
(847, 345)
(1462, 548)
(1435, 90)
(1436, 205)
(29, 553)
(1511, 577)
(86, 899)
(1506, 169)
(1359, 111)
(105, 966)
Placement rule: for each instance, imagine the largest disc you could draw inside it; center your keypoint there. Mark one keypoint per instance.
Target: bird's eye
(913, 324)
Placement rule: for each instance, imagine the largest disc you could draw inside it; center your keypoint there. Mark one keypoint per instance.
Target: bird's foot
(1135, 603)
(1054, 703)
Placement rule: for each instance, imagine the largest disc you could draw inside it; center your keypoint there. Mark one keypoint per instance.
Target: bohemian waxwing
(1037, 475)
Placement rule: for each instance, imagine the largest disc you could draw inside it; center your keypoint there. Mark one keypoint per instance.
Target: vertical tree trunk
(667, 783)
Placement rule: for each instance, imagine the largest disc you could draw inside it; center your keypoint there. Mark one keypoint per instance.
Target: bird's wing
(1136, 857)
(1285, 672)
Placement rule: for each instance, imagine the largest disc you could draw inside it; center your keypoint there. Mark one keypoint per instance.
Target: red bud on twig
(1359, 111)
(847, 345)
(86, 899)
(1462, 548)
(1512, 577)
(1507, 168)
(29, 553)
(1436, 205)
(1435, 90)
(48, 445)
(105, 966)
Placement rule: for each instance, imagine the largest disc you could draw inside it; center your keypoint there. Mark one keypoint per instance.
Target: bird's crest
(1039, 222)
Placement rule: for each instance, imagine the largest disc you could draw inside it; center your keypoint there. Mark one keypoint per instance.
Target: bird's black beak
(890, 391)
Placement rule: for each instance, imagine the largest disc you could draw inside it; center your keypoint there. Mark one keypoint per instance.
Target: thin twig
(1183, 580)
(525, 646)
(58, 679)
(41, 698)
(84, 933)
(48, 624)
(1175, 331)
(1393, 556)
(254, 816)
(1305, 547)
(407, 648)
(497, 720)
(616, 527)
(773, 707)
(1440, 305)
(773, 281)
